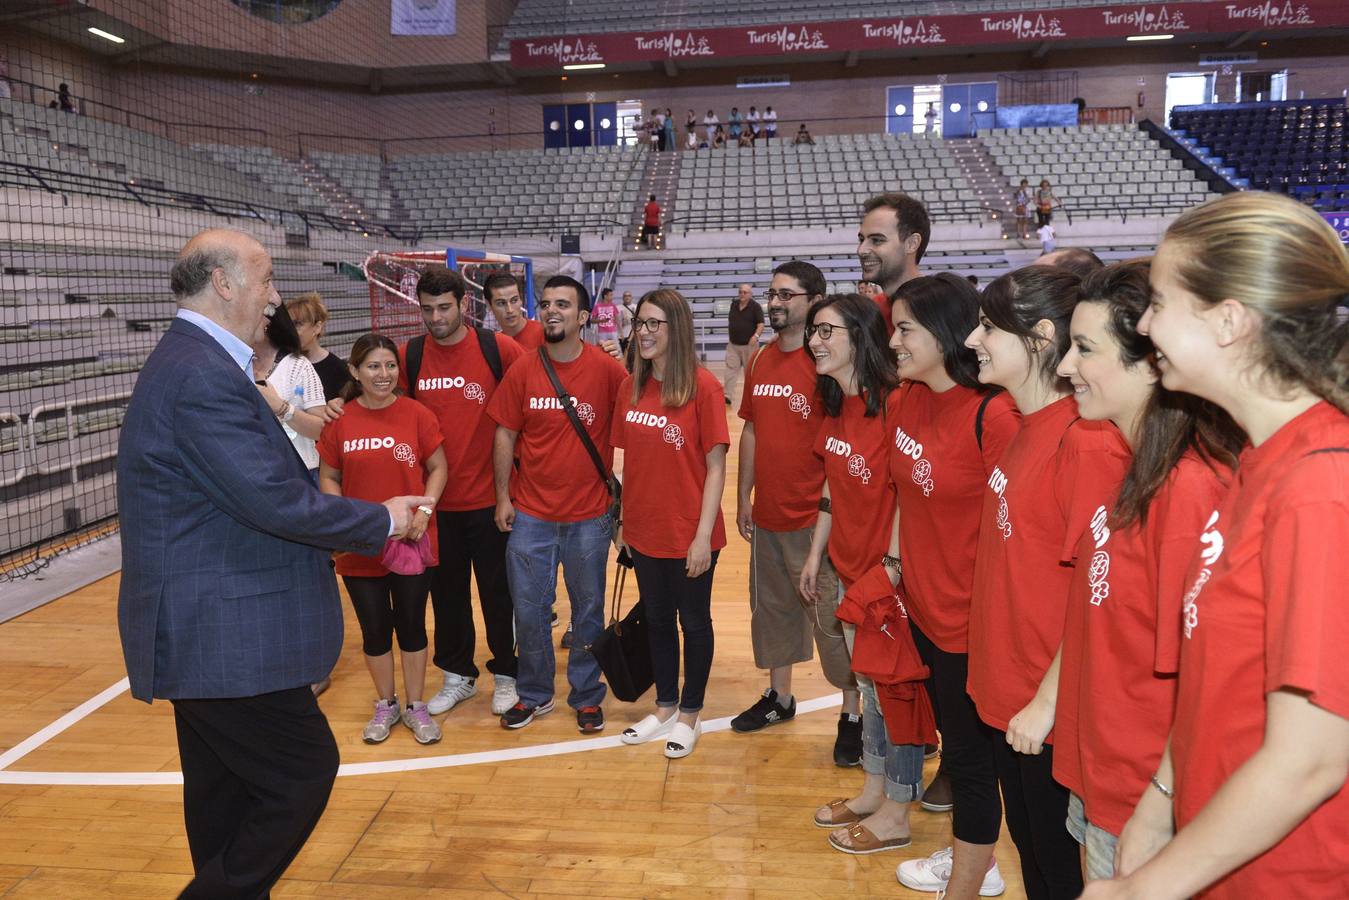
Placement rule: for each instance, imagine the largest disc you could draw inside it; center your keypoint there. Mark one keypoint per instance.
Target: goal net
(392, 276)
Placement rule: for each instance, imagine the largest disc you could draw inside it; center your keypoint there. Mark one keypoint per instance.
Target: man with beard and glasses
(779, 499)
(555, 508)
(455, 373)
(502, 293)
(891, 242)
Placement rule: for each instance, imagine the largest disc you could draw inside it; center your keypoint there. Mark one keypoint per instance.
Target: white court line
(383, 767)
(23, 748)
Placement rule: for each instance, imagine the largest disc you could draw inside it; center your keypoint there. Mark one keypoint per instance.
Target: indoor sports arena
(799, 450)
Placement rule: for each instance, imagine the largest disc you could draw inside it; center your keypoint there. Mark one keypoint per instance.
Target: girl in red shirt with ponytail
(1248, 312)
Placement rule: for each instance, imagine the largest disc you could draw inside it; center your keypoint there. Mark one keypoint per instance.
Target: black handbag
(623, 649)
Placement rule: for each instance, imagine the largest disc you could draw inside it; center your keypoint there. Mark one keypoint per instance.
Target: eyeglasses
(784, 296)
(648, 325)
(824, 330)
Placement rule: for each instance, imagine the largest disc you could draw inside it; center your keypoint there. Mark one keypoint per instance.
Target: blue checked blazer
(227, 586)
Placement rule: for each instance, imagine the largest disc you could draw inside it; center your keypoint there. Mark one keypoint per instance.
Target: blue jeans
(901, 764)
(533, 551)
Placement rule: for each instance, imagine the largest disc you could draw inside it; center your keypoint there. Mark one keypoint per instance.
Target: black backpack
(487, 341)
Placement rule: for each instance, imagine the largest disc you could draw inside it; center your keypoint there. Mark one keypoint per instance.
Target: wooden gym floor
(575, 817)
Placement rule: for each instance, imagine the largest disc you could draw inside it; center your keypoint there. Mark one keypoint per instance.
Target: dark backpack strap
(487, 340)
(979, 419)
(565, 399)
(416, 347)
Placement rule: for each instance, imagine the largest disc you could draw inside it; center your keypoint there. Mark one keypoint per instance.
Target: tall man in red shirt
(501, 290)
(650, 221)
(556, 507)
(455, 379)
(776, 514)
(891, 242)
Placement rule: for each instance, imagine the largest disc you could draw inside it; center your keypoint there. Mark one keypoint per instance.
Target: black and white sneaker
(848, 744)
(520, 715)
(765, 711)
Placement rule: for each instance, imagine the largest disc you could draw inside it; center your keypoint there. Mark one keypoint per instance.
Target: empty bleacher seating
(1097, 171)
(1294, 147)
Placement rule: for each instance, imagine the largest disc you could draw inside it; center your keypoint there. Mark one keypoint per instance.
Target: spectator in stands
(674, 438)
(1078, 260)
(733, 123)
(311, 318)
(651, 220)
(691, 140)
(65, 102)
(454, 370)
(752, 122)
(770, 123)
(746, 138)
(803, 136)
(605, 317)
(779, 486)
(669, 130)
(719, 139)
(711, 123)
(1023, 207)
(555, 505)
(1045, 201)
(291, 387)
(655, 134)
(1046, 235)
(501, 290)
(625, 314)
(658, 121)
(691, 123)
(744, 326)
(930, 120)
(387, 602)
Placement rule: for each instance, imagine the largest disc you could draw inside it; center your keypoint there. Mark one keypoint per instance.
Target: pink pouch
(404, 557)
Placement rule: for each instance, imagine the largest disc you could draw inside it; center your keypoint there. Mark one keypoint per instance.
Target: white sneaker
(932, 873)
(503, 695)
(455, 690)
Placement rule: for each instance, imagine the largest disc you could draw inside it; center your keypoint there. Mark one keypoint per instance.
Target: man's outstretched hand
(403, 510)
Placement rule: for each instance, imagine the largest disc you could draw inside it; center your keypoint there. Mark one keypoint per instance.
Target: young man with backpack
(454, 370)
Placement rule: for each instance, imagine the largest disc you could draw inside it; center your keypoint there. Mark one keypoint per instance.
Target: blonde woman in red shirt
(1248, 313)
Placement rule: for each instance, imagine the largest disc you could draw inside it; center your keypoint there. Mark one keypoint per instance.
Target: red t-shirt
(885, 305)
(939, 474)
(1051, 478)
(665, 465)
(455, 384)
(556, 479)
(651, 213)
(530, 337)
(863, 499)
(1266, 612)
(1117, 686)
(779, 399)
(381, 453)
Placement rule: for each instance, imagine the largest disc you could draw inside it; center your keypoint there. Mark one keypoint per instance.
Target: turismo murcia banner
(917, 32)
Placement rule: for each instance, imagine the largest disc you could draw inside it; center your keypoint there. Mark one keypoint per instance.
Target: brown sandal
(864, 842)
(840, 814)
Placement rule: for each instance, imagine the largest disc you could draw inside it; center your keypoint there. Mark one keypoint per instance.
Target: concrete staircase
(659, 177)
(986, 180)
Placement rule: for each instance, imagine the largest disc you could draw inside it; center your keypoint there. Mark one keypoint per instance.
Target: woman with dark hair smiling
(1117, 685)
(944, 442)
(384, 440)
(1054, 474)
(290, 385)
(856, 378)
(671, 422)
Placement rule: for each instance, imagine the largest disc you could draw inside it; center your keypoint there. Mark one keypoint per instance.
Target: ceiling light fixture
(577, 67)
(99, 32)
(1150, 37)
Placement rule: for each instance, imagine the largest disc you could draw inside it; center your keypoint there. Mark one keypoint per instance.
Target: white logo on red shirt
(1098, 570)
(584, 411)
(472, 390)
(670, 432)
(405, 453)
(796, 401)
(673, 435)
(857, 467)
(997, 482)
(1212, 539)
(922, 468)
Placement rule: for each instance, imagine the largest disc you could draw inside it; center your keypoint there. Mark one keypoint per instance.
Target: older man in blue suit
(228, 603)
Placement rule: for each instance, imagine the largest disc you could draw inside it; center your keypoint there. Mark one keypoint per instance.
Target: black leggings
(1037, 807)
(666, 590)
(1042, 218)
(387, 604)
(966, 754)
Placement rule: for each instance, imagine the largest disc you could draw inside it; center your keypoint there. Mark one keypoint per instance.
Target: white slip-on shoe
(648, 729)
(683, 739)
